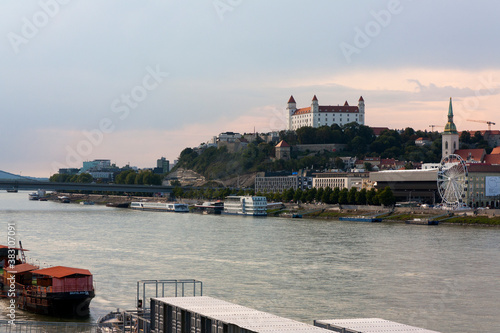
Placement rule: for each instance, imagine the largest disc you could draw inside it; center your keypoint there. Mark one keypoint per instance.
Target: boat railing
(165, 288)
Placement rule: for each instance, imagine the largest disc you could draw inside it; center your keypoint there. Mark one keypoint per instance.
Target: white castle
(324, 115)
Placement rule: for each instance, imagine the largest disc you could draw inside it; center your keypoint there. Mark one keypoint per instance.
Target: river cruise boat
(54, 291)
(160, 206)
(245, 205)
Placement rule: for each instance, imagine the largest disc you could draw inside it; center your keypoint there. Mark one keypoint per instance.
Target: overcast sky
(132, 81)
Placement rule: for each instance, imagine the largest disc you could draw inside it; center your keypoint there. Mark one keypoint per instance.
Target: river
(444, 278)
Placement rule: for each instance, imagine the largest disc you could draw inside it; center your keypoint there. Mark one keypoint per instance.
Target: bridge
(28, 184)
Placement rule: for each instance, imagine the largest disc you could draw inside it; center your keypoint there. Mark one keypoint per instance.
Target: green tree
(343, 200)
(386, 197)
(84, 178)
(351, 196)
(361, 197)
(334, 197)
(297, 195)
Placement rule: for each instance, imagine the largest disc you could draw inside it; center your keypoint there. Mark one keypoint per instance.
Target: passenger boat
(160, 206)
(55, 291)
(12, 190)
(245, 205)
(118, 205)
(33, 196)
(210, 207)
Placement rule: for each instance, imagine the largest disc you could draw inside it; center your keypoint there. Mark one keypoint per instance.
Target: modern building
(341, 180)
(483, 186)
(95, 164)
(162, 165)
(324, 115)
(267, 182)
(409, 185)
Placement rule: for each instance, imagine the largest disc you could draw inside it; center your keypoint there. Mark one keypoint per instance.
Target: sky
(133, 81)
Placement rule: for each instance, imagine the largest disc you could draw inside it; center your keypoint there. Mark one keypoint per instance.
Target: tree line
(315, 195)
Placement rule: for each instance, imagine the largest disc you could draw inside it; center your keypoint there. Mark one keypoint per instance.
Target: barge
(160, 206)
(360, 219)
(54, 291)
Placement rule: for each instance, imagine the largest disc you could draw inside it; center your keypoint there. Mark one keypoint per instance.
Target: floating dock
(205, 314)
(368, 325)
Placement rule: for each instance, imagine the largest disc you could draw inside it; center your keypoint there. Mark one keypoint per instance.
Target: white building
(320, 115)
(341, 180)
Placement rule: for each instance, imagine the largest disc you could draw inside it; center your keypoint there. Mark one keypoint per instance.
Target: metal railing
(174, 288)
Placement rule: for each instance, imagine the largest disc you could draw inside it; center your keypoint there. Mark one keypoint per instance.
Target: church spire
(450, 125)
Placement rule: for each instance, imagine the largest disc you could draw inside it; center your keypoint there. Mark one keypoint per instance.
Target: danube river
(444, 278)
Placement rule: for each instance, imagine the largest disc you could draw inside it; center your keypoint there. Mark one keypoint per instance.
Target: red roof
(282, 144)
(291, 100)
(315, 98)
(492, 159)
(61, 271)
(21, 268)
(378, 130)
(475, 154)
(473, 167)
(302, 111)
(346, 104)
(495, 150)
(361, 99)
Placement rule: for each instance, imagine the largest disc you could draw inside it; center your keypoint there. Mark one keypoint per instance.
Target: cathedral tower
(450, 135)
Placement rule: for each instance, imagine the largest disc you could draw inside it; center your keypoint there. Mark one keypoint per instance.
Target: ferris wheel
(452, 180)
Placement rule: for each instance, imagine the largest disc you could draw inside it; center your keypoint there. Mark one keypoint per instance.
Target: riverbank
(486, 217)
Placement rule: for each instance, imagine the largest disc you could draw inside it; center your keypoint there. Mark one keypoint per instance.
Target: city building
(409, 185)
(95, 164)
(267, 182)
(324, 115)
(162, 165)
(471, 155)
(341, 180)
(483, 186)
(422, 141)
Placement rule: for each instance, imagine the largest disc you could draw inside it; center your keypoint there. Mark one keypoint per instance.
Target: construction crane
(484, 122)
(432, 127)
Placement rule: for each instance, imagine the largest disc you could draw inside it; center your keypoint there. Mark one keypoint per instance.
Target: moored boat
(245, 205)
(160, 206)
(55, 291)
(360, 219)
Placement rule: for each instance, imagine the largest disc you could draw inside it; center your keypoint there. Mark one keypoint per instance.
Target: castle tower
(291, 108)
(314, 111)
(283, 150)
(450, 135)
(361, 107)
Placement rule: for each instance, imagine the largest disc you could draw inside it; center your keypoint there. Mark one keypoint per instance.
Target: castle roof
(315, 98)
(291, 100)
(361, 99)
(282, 144)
